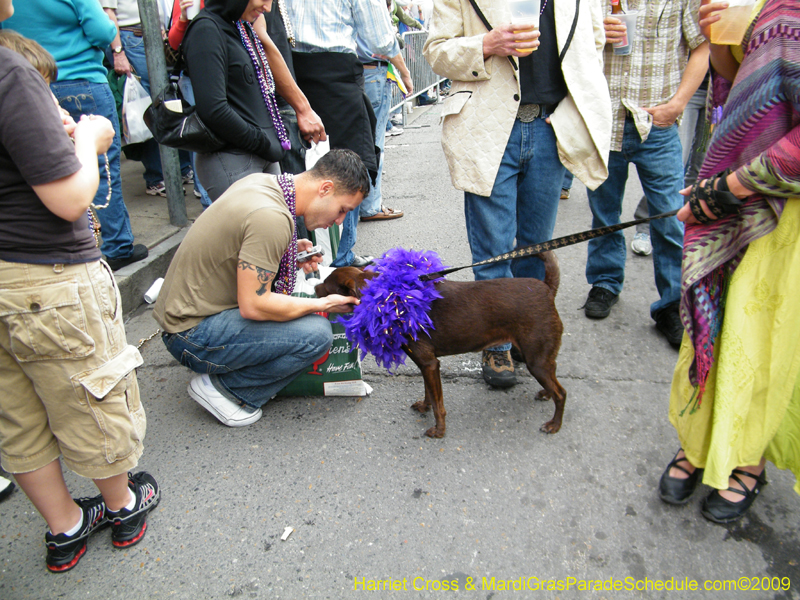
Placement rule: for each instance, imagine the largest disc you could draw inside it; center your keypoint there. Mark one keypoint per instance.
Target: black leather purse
(180, 129)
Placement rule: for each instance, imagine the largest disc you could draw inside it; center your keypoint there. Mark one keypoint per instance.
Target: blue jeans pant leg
(538, 193)
(660, 166)
(379, 91)
(187, 90)
(492, 220)
(250, 360)
(568, 178)
(151, 158)
(80, 97)
(605, 262)
(345, 255)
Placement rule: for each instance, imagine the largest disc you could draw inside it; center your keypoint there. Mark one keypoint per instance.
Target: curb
(134, 280)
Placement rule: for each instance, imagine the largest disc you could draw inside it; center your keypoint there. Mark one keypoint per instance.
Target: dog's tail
(552, 272)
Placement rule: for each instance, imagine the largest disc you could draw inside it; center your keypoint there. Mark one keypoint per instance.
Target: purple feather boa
(394, 306)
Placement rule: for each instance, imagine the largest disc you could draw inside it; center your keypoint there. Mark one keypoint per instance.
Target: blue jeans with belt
(248, 360)
(151, 157)
(660, 168)
(523, 204)
(80, 97)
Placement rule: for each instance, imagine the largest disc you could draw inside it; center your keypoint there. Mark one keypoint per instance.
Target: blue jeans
(379, 91)
(185, 83)
(250, 361)
(151, 158)
(80, 97)
(523, 203)
(658, 163)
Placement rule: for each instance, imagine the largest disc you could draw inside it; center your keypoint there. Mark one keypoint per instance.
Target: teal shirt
(75, 32)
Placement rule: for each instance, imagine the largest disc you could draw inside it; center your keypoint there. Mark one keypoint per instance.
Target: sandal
(719, 510)
(673, 490)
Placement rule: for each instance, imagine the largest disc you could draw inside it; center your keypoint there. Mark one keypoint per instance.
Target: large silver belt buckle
(527, 112)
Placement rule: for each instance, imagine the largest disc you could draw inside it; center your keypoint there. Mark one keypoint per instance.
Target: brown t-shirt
(34, 150)
(251, 222)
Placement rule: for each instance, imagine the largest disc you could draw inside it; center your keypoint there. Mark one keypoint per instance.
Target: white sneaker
(6, 487)
(395, 130)
(228, 412)
(641, 244)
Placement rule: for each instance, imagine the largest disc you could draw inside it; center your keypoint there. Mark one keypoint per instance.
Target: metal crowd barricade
(421, 73)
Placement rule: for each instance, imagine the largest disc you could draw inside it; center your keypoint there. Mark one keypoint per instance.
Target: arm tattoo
(264, 277)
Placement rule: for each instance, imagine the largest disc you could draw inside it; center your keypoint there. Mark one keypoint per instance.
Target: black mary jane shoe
(719, 510)
(673, 490)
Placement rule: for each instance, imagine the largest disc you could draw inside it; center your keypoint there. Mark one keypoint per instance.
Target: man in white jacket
(512, 122)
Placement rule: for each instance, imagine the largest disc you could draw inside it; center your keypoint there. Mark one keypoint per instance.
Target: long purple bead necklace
(265, 79)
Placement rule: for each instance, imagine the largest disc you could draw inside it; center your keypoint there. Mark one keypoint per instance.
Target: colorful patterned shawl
(759, 137)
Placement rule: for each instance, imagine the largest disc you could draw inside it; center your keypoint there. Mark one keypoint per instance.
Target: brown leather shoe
(498, 368)
(385, 214)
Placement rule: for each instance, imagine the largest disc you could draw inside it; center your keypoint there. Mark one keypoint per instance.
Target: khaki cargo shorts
(67, 374)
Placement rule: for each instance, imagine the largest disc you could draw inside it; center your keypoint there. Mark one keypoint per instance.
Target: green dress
(751, 406)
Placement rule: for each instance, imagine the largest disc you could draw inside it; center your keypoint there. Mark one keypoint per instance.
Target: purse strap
(571, 31)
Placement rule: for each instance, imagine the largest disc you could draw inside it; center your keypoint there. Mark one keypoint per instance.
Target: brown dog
(475, 315)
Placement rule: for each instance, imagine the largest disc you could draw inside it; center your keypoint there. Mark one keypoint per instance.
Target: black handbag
(182, 130)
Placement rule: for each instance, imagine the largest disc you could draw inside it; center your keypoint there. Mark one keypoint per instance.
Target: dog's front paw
(435, 432)
(421, 406)
(543, 395)
(551, 426)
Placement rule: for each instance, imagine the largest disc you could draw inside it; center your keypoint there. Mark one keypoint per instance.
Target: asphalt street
(496, 509)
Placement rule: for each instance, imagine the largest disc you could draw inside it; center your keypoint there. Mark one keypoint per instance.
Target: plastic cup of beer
(629, 19)
(192, 11)
(733, 23)
(525, 13)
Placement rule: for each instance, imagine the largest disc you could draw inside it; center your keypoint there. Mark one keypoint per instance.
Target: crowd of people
(528, 109)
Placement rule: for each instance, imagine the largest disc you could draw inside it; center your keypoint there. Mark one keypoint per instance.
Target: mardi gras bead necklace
(265, 79)
(287, 270)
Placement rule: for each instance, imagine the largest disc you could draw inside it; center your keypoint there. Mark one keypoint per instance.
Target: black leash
(567, 240)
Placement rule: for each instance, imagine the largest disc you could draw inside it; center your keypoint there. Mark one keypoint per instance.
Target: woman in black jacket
(232, 100)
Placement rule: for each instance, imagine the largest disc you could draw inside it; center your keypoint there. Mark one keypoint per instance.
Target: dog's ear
(360, 281)
(347, 286)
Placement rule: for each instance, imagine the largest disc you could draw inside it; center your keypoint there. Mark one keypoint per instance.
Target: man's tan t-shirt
(249, 222)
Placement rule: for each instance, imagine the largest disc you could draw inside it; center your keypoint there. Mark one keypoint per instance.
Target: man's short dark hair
(345, 169)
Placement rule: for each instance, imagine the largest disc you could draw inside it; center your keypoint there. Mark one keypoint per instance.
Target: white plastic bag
(314, 153)
(135, 101)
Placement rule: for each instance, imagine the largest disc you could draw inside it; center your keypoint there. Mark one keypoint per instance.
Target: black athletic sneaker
(599, 302)
(140, 252)
(64, 551)
(668, 322)
(129, 526)
(498, 368)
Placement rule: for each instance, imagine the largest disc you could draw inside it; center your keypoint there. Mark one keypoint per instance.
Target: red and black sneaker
(64, 551)
(129, 526)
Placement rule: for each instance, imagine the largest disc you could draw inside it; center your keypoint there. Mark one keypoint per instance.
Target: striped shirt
(332, 26)
(666, 30)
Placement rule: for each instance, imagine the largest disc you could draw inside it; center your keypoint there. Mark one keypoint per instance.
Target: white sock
(77, 527)
(130, 505)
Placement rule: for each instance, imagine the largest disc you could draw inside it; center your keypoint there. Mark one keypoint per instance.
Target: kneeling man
(225, 307)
